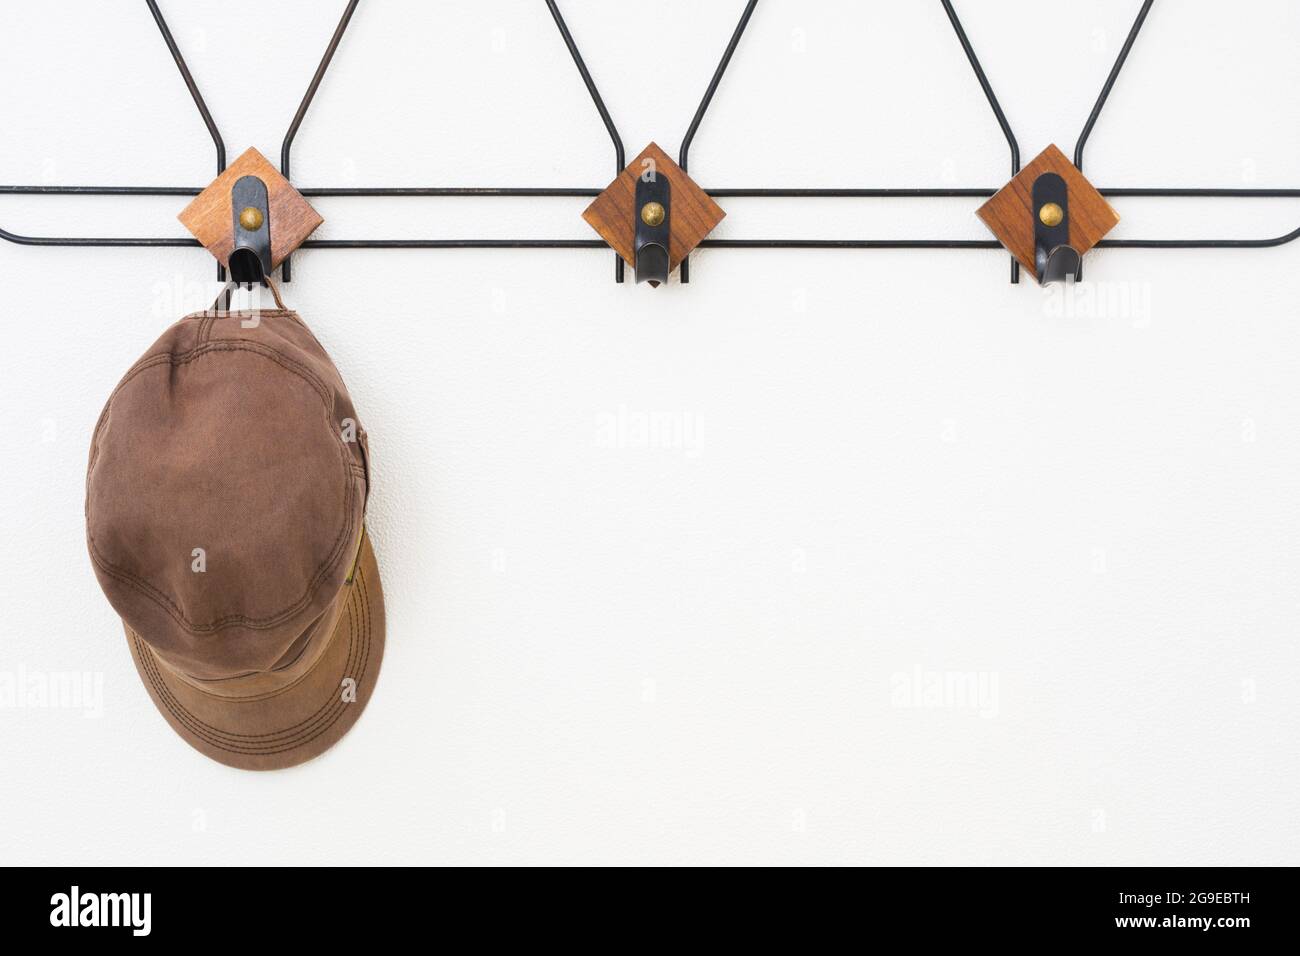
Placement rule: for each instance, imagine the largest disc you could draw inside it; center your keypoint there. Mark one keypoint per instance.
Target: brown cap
(225, 506)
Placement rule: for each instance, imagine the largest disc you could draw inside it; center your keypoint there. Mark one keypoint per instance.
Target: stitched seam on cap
(233, 620)
(358, 631)
(240, 314)
(210, 734)
(226, 345)
(360, 594)
(344, 535)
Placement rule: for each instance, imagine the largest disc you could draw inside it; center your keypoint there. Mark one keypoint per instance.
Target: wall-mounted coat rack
(1048, 221)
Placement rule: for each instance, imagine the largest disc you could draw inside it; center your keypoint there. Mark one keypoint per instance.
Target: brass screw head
(250, 217)
(652, 214)
(1051, 214)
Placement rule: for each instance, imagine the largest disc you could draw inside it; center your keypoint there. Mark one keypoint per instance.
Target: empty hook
(653, 218)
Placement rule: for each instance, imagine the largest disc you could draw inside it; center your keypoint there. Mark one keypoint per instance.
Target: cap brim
(287, 726)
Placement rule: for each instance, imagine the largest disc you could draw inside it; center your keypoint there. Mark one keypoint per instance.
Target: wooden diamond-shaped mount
(1011, 214)
(210, 217)
(691, 213)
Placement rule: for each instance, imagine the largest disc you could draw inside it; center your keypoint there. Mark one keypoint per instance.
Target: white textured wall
(886, 464)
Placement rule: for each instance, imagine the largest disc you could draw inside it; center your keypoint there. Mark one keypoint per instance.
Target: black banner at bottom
(1222, 906)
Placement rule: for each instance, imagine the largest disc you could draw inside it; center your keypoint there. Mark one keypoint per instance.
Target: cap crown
(226, 491)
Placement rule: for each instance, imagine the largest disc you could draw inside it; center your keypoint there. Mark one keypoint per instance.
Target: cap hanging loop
(233, 284)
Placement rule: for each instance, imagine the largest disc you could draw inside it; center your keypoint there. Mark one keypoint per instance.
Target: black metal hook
(654, 195)
(1059, 264)
(250, 260)
(1054, 258)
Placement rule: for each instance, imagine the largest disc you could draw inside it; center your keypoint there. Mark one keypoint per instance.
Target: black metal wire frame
(286, 149)
(538, 192)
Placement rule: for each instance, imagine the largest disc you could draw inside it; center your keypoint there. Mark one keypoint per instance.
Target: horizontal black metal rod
(1191, 192)
(455, 244)
(1200, 192)
(1200, 243)
(851, 244)
(100, 190)
(707, 243)
(325, 191)
(524, 191)
(90, 241)
(977, 193)
(849, 193)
